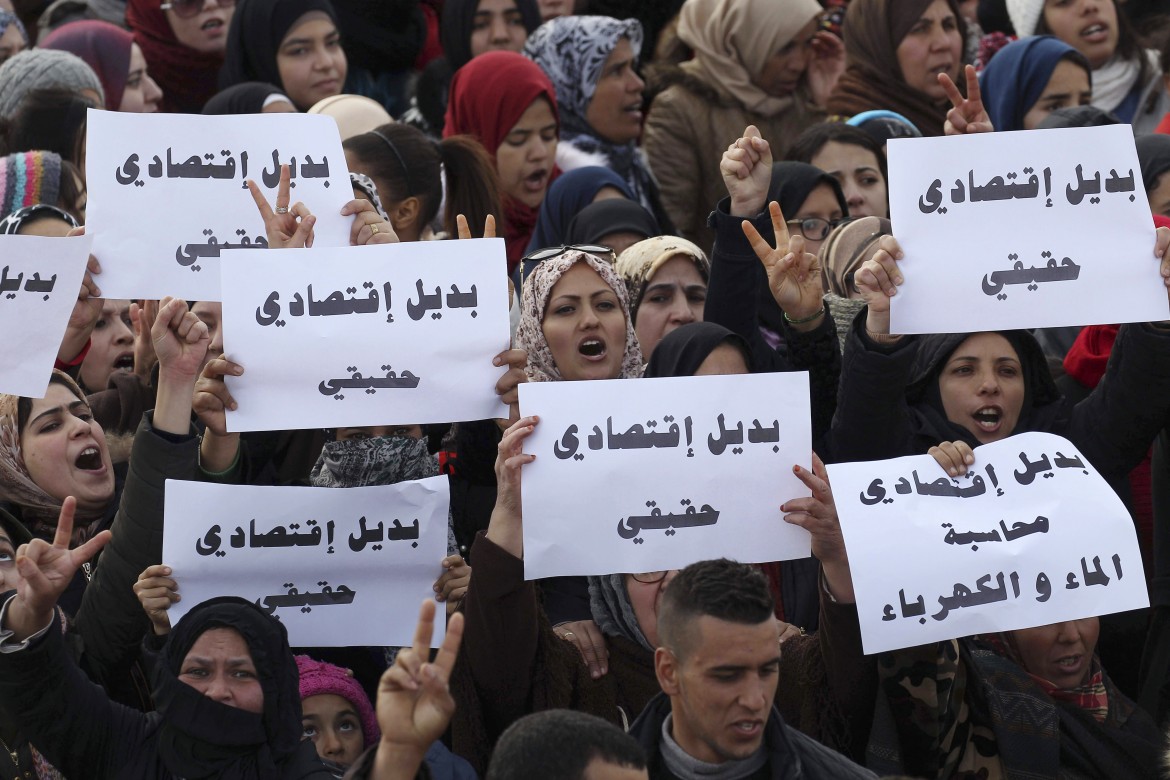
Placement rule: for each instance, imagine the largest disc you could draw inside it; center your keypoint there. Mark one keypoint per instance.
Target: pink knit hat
(318, 677)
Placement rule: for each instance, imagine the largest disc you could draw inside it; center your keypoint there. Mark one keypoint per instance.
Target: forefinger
(973, 92)
(779, 226)
(261, 202)
(952, 91)
(425, 629)
(64, 534)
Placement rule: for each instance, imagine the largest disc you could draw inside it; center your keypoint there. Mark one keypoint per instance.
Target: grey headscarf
(612, 610)
(44, 69)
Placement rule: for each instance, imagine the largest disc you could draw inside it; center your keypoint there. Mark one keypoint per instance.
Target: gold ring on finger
(282, 209)
(373, 230)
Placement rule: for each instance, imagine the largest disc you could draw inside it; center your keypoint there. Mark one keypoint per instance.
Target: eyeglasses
(530, 261)
(815, 228)
(186, 9)
(650, 577)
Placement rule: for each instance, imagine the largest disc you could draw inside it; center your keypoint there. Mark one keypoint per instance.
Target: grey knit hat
(43, 69)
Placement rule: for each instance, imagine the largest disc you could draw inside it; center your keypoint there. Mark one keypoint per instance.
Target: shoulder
(821, 761)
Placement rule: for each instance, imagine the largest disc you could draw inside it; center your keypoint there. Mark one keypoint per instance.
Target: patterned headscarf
(7, 19)
(534, 300)
(16, 483)
(29, 178)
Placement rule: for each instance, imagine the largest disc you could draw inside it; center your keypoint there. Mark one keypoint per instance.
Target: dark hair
(723, 589)
(47, 120)
(24, 405)
(558, 745)
(1129, 46)
(809, 144)
(405, 163)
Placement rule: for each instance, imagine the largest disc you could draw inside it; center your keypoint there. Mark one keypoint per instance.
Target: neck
(679, 757)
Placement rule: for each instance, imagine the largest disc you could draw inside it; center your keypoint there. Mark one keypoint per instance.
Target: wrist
(747, 208)
(24, 620)
(396, 760)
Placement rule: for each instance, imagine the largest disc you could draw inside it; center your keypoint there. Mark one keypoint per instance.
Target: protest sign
(1032, 535)
(365, 335)
(337, 566)
(653, 474)
(1031, 229)
(39, 282)
(167, 193)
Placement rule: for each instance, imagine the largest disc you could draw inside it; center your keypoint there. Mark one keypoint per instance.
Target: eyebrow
(59, 409)
(308, 41)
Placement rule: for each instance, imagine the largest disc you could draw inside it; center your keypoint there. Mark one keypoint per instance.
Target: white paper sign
(338, 566)
(654, 474)
(1032, 535)
(374, 335)
(167, 193)
(39, 282)
(1029, 229)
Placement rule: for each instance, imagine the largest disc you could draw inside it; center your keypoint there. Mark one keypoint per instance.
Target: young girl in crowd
(509, 105)
(1029, 79)
(292, 43)
(852, 157)
(567, 196)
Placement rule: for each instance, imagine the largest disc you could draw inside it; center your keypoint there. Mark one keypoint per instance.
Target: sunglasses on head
(529, 262)
(186, 9)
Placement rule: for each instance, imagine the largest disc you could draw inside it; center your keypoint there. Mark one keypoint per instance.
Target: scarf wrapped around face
(534, 300)
(186, 76)
(201, 737)
(381, 460)
(612, 610)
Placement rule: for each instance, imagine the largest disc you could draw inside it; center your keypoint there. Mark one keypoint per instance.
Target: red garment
(188, 78)
(431, 49)
(1163, 126)
(488, 97)
(1089, 354)
(105, 47)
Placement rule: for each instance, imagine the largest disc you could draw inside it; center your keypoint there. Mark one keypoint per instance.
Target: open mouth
(214, 23)
(89, 460)
(988, 418)
(593, 349)
(124, 362)
(1095, 32)
(534, 182)
(1070, 664)
(748, 728)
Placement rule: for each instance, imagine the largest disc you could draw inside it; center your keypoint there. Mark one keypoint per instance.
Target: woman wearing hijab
(1127, 78)
(183, 43)
(30, 179)
(469, 28)
(895, 50)
(507, 103)
(1154, 157)
(776, 307)
(666, 282)
(1030, 78)
(844, 252)
(568, 195)
(854, 158)
(353, 114)
(592, 61)
(224, 686)
(115, 58)
(250, 97)
(293, 43)
(616, 223)
(903, 395)
(757, 62)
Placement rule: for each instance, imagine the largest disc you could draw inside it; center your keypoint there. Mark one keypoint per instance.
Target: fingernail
(235, 406)
(97, 293)
(595, 674)
(497, 362)
(166, 570)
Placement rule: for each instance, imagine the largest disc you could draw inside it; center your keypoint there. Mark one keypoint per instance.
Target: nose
(218, 690)
(125, 335)
(153, 91)
(499, 29)
(636, 82)
(322, 59)
(1069, 632)
(853, 197)
(215, 348)
(989, 384)
(328, 744)
(539, 149)
(754, 697)
(681, 312)
(589, 318)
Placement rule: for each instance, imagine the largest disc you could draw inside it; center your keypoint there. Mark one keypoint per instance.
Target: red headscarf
(187, 77)
(105, 47)
(488, 97)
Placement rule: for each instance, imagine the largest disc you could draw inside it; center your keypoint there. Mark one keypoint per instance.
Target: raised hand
(414, 701)
(747, 173)
(956, 457)
(452, 584)
(877, 280)
(45, 572)
(142, 317)
(817, 514)
(968, 114)
(508, 385)
(86, 310)
(368, 225)
(1161, 244)
(489, 227)
(794, 276)
(156, 593)
(212, 398)
(286, 227)
(506, 525)
(180, 340)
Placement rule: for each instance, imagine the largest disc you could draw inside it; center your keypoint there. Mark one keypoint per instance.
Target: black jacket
(791, 755)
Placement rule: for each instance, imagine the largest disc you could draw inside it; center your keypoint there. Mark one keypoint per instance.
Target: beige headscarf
(847, 247)
(354, 114)
(733, 39)
(638, 264)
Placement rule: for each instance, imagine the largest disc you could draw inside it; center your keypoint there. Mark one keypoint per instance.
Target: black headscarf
(258, 27)
(1154, 157)
(792, 183)
(244, 98)
(1077, 116)
(201, 737)
(612, 215)
(1043, 403)
(683, 350)
(459, 18)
